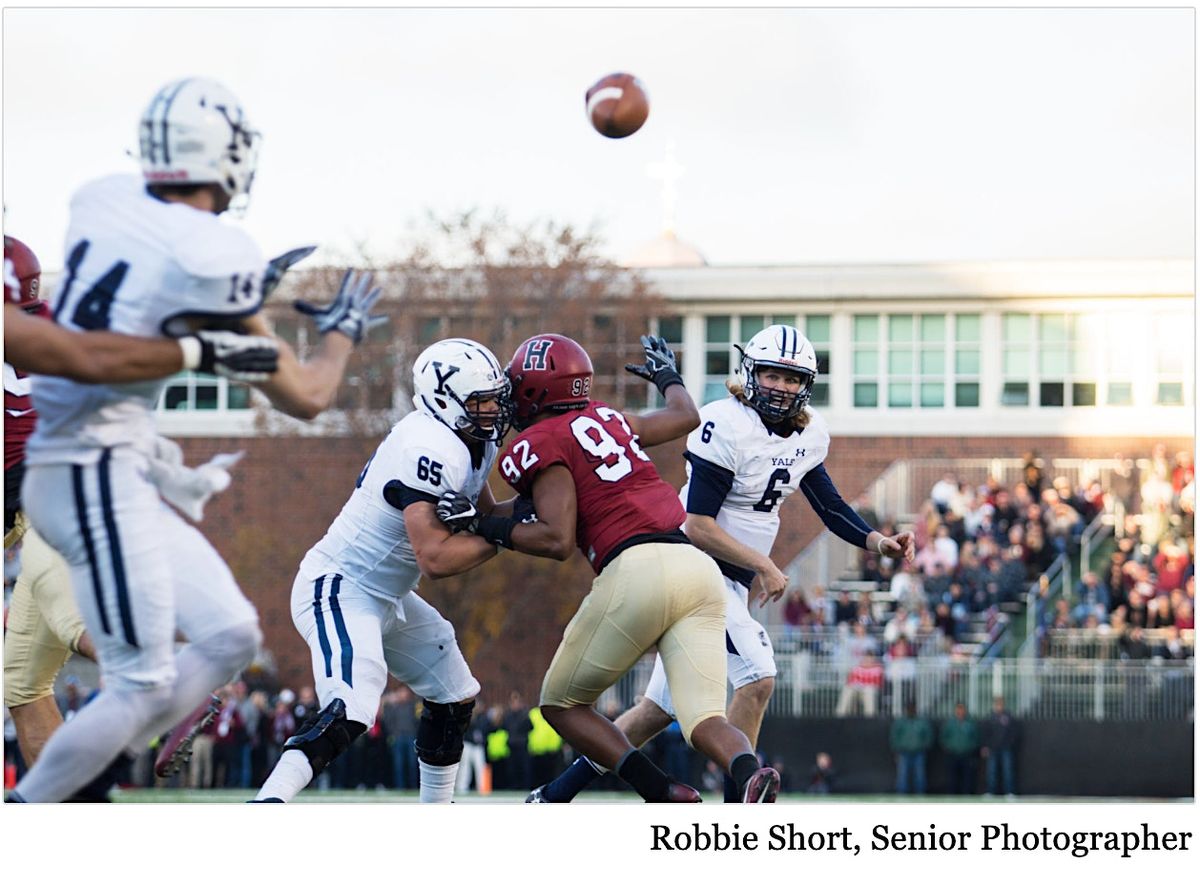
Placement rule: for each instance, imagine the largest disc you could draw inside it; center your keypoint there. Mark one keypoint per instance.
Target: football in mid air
(617, 105)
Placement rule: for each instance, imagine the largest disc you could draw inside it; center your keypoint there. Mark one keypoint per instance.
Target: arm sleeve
(708, 486)
(423, 474)
(838, 517)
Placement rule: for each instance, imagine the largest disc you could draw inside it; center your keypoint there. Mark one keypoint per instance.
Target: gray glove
(660, 364)
(236, 356)
(457, 511)
(350, 311)
(280, 265)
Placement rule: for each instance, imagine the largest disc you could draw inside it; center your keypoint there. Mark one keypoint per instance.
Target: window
(818, 329)
(201, 392)
(1070, 360)
(1172, 356)
(670, 328)
(921, 360)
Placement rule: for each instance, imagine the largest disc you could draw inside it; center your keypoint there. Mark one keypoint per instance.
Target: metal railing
(1107, 645)
(810, 685)
(1057, 581)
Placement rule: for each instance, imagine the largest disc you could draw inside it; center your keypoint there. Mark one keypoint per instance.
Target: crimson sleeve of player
(531, 452)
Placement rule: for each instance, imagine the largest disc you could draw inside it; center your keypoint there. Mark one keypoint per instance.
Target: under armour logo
(535, 355)
(799, 453)
(442, 377)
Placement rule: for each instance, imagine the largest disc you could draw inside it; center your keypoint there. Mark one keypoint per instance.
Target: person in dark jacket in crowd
(1001, 736)
(910, 739)
(959, 739)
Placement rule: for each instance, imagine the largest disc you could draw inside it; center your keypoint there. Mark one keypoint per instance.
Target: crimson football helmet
(549, 372)
(22, 273)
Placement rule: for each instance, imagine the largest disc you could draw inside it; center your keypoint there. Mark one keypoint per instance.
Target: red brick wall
(510, 612)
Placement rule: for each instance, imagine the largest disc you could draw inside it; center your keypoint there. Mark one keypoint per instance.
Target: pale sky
(806, 136)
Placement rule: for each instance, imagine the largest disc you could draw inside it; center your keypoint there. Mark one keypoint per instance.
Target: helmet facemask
(485, 426)
(775, 405)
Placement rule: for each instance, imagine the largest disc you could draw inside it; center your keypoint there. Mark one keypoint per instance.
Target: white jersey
(765, 467)
(138, 266)
(368, 543)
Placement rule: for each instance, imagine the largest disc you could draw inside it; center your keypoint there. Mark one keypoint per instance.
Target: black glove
(457, 511)
(660, 364)
(280, 265)
(350, 311)
(237, 357)
(459, 514)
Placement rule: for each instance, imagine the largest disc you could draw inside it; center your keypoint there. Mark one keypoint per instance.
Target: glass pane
(967, 328)
(752, 324)
(900, 394)
(714, 391)
(900, 328)
(206, 396)
(817, 328)
(1120, 394)
(900, 362)
(716, 363)
(866, 394)
(429, 330)
(820, 395)
(670, 328)
(175, 397)
(866, 328)
(866, 362)
(1015, 394)
(966, 362)
(1052, 328)
(716, 328)
(1052, 361)
(1170, 393)
(933, 328)
(933, 362)
(1016, 328)
(823, 363)
(1169, 358)
(1083, 394)
(933, 394)
(1016, 362)
(789, 320)
(1051, 394)
(237, 397)
(966, 394)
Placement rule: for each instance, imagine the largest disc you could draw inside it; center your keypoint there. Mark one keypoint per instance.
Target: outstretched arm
(844, 522)
(680, 415)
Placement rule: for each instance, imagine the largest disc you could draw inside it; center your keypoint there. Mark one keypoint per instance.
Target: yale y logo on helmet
(784, 347)
(452, 378)
(194, 131)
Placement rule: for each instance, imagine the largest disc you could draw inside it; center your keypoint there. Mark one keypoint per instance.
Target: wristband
(879, 546)
(666, 378)
(497, 530)
(191, 350)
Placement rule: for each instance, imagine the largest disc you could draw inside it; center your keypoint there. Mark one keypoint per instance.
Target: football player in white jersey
(354, 598)
(752, 450)
(149, 256)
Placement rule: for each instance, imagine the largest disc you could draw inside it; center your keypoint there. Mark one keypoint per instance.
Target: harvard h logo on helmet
(194, 131)
(784, 347)
(549, 372)
(452, 378)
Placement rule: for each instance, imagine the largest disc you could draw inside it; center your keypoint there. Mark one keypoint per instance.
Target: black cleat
(681, 792)
(537, 797)
(177, 749)
(261, 801)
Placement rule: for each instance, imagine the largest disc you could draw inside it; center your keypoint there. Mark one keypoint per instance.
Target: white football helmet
(452, 372)
(779, 345)
(194, 131)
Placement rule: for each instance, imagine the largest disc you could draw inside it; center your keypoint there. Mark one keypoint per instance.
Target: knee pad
(325, 736)
(440, 732)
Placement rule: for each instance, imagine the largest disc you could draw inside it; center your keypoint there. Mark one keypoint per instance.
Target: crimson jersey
(19, 415)
(619, 494)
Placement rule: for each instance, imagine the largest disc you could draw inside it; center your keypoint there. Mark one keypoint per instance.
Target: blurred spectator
(1000, 740)
(959, 740)
(230, 733)
(545, 750)
(823, 775)
(902, 671)
(1169, 565)
(1031, 473)
(518, 726)
(844, 610)
(474, 757)
(400, 721)
(944, 492)
(910, 739)
(1093, 598)
(862, 688)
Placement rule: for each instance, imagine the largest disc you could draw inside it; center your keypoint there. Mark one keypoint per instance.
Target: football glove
(350, 311)
(457, 511)
(232, 355)
(280, 265)
(660, 366)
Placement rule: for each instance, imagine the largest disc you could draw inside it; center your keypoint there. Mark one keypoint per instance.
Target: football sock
(647, 779)
(82, 748)
(437, 783)
(291, 774)
(732, 794)
(741, 769)
(579, 775)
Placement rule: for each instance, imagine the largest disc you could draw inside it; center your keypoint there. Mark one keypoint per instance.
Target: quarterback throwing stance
(582, 464)
(354, 598)
(751, 451)
(149, 256)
